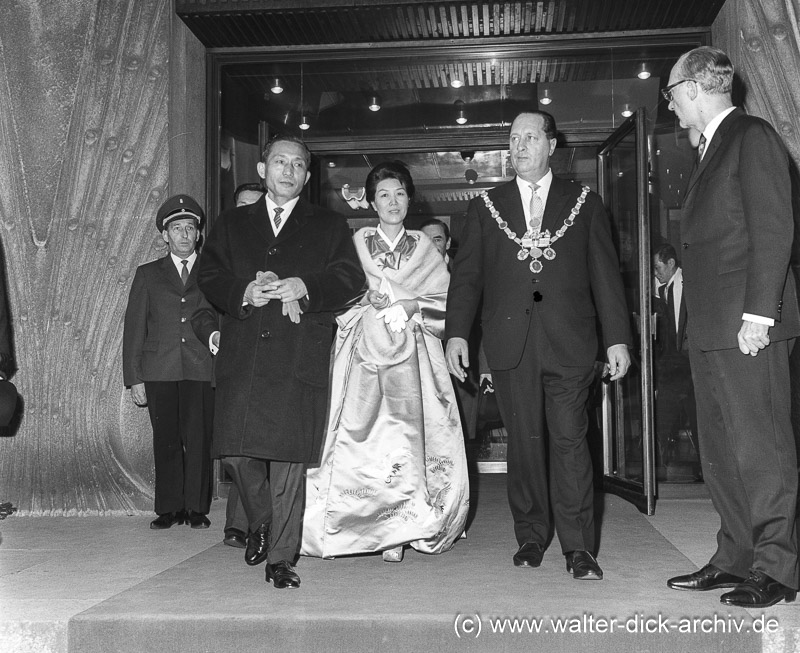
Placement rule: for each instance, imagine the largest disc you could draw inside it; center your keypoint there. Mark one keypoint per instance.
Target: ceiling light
(461, 115)
(626, 111)
(276, 87)
(456, 82)
(331, 164)
(471, 176)
(545, 99)
(375, 102)
(643, 72)
(304, 123)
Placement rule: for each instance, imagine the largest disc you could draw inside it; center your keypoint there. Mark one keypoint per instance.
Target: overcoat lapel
(259, 220)
(295, 222)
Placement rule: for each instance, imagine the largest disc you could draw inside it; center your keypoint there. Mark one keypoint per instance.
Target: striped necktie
(536, 209)
(277, 219)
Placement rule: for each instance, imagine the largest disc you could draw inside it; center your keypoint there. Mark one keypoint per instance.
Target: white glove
(395, 316)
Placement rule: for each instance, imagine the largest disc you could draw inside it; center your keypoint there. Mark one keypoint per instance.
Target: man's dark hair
(289, 138)
(550, 129)
(432, 222)
(665, 252)
(250, 185)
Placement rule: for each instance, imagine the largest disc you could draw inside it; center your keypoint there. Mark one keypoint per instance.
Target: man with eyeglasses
(736, 230)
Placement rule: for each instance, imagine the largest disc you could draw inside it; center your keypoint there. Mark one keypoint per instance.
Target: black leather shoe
(758, 591)
(708, 578)
(257, 546)
(283, 575)
(235, 537)
(167, 520)
(529, 554)
(583, 566)
(197, 520)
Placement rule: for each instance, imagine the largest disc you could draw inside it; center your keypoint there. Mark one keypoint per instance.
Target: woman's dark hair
(389, 170)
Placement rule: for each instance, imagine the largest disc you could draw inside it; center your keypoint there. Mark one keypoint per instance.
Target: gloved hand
(395, 316)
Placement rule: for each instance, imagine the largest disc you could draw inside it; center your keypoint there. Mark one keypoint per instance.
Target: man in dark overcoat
(169, 370)
(538, 250)
(277, 269)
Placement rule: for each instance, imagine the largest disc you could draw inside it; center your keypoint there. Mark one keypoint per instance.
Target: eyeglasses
(667, 92)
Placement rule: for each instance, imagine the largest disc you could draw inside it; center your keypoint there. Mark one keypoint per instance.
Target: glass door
(627, 404)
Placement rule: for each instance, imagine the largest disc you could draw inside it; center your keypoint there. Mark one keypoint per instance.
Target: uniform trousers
(182, 415)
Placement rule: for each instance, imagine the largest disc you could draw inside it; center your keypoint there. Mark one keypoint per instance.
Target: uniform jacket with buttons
(577, 290)
(737, 232)
(272, 374)
(158, 342)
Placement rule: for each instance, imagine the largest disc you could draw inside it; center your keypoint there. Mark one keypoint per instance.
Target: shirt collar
(714, 123)
(177, 259)
(288, 207)
(544, 185)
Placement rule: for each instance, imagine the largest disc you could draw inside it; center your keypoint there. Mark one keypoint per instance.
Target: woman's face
(391, 202)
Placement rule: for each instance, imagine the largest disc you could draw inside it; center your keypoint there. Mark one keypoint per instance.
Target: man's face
(681, 102)
(663, 271)
(529, 147)
(436, 233)
(181, 236)
(248, 197)
(285, 172)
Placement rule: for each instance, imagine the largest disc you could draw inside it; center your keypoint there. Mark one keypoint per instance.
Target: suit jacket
(272, 374)
(671, 339)
(158, 343)
(580, 285)
(737, 230)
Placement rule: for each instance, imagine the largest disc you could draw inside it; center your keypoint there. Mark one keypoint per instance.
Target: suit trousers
(748, 455)
(272, 492)
(182, 415)
(543, 406)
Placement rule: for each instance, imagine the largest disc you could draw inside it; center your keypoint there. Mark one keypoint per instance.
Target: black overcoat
(272, 374)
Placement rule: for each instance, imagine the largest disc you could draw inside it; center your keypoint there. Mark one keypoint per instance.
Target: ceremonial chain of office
(533, 243)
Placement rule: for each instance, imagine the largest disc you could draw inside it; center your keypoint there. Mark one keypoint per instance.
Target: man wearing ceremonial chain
(538, 250)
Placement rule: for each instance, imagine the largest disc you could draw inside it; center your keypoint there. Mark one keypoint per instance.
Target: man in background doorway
(675, 404)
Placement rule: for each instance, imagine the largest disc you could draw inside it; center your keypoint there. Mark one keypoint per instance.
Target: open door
(627, 405)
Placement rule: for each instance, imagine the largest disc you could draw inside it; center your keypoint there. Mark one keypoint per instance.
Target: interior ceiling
(270, 23)
(585, 53)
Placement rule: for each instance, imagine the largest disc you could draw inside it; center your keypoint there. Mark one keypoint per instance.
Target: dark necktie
(701, 147)
(185, 271)
(277, 219)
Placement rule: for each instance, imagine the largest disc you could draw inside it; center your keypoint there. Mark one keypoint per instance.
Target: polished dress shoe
(257, 546)
(197, 520)
(758, 591)
(708, 578)
(583, 566)
(167, 520)
(283, 575)
(235, 537)
(529, 554)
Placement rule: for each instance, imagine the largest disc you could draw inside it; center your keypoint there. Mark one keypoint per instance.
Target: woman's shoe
(393, 555)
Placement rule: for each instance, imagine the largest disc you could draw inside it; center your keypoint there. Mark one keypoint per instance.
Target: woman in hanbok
(393, 471)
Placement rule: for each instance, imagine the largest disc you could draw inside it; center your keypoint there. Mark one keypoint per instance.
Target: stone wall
(84, 163)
